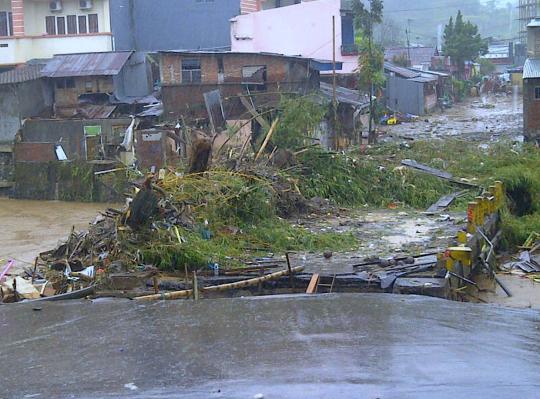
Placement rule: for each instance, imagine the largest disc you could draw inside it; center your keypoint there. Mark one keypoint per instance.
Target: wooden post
(291, 278)
(195, 287)
(34, 271)
(156, 284)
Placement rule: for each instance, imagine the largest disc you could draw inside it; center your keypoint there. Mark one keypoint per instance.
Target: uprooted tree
(370, 55)
(462, 42)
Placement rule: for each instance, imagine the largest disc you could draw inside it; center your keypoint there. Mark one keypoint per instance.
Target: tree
(370, 55)
(462, 42)
(486, 67)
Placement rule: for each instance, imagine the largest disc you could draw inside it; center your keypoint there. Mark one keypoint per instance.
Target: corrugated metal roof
(229, 52)
(344, 95)
(403, 72)
(21, 74)
(88, 64)
(424, 79)
(531, 69)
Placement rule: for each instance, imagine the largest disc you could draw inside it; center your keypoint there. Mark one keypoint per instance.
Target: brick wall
(282, 74)
(17, 8)
(171, 67)
(248, 6)
(531, 110)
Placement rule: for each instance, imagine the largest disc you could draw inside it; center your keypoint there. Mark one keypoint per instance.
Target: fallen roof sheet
(403, 72)
(531, 69)
(21, 74)
(88, 64)
(344, 95)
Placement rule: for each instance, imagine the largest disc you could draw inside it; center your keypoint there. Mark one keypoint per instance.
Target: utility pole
(334, 99)
(408, 32)
(370, 52)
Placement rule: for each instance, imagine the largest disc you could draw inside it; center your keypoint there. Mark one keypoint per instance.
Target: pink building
(303, 29)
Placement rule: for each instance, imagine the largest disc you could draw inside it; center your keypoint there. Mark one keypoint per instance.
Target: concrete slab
(309, 346)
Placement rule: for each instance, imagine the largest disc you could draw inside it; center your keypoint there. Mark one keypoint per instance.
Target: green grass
(226, 249)
(517, 166)
(251, 203)
(356, 180)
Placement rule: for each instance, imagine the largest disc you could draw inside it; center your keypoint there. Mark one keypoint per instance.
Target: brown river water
(30, 227)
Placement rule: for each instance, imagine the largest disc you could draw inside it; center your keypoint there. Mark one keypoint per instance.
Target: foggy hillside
(495, 19)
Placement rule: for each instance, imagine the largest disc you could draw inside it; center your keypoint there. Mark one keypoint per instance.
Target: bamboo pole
(223, 287)
(267, 139)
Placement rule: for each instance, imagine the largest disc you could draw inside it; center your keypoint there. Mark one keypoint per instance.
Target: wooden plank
(254, 113)
(313, 283)
(224, 287)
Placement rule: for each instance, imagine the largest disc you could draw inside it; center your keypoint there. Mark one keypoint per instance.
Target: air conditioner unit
(55, 5)
(85, 4)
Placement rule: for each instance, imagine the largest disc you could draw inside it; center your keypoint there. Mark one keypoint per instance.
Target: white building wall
(303, 29)
(37, 44)
(36, 11)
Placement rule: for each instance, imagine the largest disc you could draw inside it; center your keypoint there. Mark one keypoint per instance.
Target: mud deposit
(29, 227)
(323, 346)
(485, 120)
(384, 233)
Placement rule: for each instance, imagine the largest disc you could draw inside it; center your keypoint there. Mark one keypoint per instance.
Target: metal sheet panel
(531, 69)
(400, 71)
(89, 64)
(21, 74)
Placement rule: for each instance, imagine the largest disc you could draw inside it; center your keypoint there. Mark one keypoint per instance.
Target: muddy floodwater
(29, 227)
(314, 347)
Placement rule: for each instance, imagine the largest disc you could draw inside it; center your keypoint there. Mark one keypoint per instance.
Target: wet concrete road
(327, 346)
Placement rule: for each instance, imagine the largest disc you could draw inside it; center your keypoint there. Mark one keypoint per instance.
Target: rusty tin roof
(21, 74)
(88, 64)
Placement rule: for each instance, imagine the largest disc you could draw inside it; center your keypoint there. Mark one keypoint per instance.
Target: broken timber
(223, 287)
(411, 163)
(263, 122)
(313, 283)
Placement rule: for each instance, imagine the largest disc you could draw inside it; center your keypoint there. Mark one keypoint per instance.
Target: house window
(191, 71)
(93, 23)
(537, 93)
(66, 83)
(89, 86)
(82, 24)
(61, 25)
(254, 77)
(72, 24)
(50, 25)
(6, 23)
